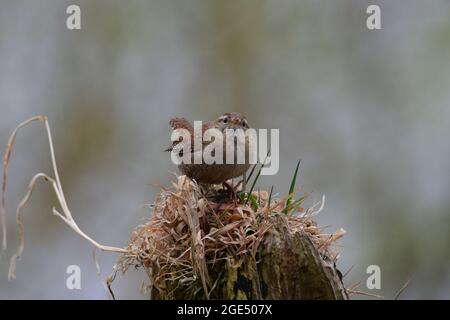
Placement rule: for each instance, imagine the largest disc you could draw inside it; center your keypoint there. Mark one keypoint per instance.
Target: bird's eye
(225, 120)
(245, 123)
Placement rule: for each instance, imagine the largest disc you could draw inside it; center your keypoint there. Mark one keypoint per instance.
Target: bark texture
(287, 266)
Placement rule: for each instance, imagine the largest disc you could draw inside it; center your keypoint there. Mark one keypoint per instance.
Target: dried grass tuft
(189, 238)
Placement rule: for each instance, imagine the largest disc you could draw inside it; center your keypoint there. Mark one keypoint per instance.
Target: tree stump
(289, 267)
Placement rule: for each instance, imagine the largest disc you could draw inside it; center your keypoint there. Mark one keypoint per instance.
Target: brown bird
(214, 173)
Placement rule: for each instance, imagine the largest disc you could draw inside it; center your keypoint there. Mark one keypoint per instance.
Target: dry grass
(53, 179)
(189, 238)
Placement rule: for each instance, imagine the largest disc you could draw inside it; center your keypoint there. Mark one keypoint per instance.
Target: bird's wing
(179, 123)
(182, 123)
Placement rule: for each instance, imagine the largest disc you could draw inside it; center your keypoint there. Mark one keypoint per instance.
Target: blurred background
(367, 111)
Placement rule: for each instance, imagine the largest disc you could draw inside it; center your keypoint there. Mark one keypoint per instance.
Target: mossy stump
(193, 248)
(289, 267)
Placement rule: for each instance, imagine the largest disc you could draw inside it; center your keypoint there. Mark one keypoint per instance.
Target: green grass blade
(254, 182)
(255, 165)
(270, 196)
(296, 204)
(292, 188)
(257, 175)
(251, 173)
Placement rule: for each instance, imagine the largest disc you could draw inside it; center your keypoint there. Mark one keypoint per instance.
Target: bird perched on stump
(214, 173)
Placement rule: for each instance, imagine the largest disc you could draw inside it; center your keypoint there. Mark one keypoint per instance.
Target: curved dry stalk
(65, 213)
(403, 288)
(313, 211)
(21, 238)
(6, 158)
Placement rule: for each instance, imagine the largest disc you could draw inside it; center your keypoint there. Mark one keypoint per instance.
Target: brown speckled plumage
(212, 173)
